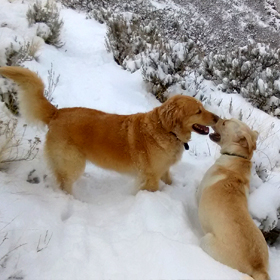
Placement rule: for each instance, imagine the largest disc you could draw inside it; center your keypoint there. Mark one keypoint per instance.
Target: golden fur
(231, 235)
(144, 144)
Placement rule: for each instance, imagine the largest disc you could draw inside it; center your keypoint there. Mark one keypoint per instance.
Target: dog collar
(186, 145)
(234, 155)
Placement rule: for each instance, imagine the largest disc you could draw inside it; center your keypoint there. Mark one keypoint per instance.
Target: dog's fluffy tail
(34, 106)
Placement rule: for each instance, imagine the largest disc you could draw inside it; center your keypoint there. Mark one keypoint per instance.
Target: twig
(46, 242)
(12, 251)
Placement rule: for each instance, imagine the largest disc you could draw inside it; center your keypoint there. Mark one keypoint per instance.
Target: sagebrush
(47, 18)
(11, 142)
(252, 70)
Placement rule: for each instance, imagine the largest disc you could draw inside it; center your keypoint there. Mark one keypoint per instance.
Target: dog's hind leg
(65, 183)
(67, 171)
(209, 244)
(218, 251)
(67, 163)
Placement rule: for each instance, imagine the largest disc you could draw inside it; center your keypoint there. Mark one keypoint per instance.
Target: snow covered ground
(109, 230)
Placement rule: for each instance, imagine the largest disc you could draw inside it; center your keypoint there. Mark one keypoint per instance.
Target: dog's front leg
(149, 182)
(166, 178)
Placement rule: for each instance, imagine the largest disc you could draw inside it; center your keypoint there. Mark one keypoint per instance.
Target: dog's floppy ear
(248, 140)
(256, 134)
(169, 115)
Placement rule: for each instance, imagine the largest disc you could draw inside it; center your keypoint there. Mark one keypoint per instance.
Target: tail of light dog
(33, 104)
(261, 276)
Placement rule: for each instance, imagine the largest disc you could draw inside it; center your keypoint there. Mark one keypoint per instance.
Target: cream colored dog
(231, 235)
(144, 144)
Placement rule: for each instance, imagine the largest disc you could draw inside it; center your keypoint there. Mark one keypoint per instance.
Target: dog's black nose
(216, 118)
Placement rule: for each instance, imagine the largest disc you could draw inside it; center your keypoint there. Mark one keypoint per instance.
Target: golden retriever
(231, 235)
(144, 144)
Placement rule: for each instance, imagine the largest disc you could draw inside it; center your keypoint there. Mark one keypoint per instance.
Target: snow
(158, 5)
(109, 230)
(261, 86)
(266, 210)
(277, 85)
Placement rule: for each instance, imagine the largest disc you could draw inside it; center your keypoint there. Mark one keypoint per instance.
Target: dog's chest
(175, 153)
(170, 155)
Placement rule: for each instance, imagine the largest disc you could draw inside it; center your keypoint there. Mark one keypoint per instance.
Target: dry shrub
(12, 142)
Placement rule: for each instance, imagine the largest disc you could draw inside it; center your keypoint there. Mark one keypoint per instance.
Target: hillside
(108, 229)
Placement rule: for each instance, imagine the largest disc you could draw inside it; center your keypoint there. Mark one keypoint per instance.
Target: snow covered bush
(129, 36)
(166, 63)
(19, 52)
(100, 14)
(8, 95)
(43, 31)
(135, 44)
(252, 70)
(86, 5)
(267, 213)
(157, 73)
(15, 54)
(47, 19)
(208, 23)
(123, 38)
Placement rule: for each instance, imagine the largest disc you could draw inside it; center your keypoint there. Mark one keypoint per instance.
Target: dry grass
(13, 145)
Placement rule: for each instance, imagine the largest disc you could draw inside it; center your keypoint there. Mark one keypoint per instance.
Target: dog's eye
(224, 123)
(198, 112)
